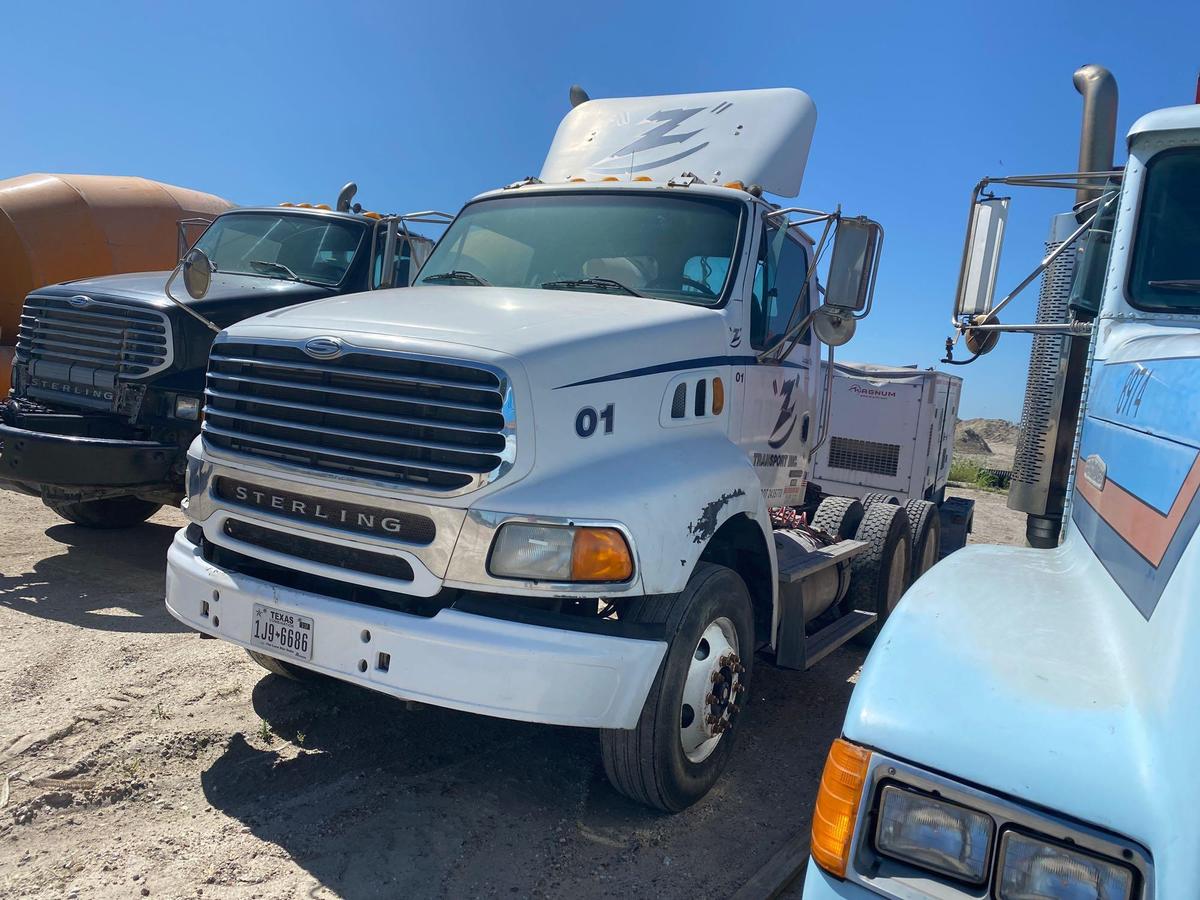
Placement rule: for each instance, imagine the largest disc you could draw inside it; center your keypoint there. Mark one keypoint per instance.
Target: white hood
(514, 321)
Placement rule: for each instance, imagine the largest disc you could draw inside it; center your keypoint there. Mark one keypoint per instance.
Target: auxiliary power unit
(891, 431)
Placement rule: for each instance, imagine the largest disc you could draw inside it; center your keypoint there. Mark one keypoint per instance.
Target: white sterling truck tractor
(1025, 727)
(541, 487)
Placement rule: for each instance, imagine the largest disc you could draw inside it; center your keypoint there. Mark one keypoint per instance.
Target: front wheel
(109, 512)
(283, 669)
(684, 736)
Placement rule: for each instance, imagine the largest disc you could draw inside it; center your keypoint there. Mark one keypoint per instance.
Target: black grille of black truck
(60, 336)
(432, 424)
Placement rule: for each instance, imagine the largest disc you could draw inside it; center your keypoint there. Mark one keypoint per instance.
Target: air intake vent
(864, 456)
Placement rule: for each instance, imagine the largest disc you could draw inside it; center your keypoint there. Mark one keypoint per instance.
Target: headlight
(932, 834)
(187, 407)
(1033, 868)
(560, 553)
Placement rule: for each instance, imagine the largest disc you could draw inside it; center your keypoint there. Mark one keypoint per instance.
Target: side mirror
(981, 257)
(197, 271)
(852, 267)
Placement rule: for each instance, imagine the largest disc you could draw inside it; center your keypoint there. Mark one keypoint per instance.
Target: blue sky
(425, 105)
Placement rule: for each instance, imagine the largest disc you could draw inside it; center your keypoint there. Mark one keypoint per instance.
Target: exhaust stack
(345, 195)
(1041, 473)
(1098, 136)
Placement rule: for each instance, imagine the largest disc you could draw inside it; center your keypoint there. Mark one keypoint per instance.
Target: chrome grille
(438, 425)
(96, 341)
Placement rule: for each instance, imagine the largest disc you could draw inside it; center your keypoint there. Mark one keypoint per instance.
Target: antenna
(578, 95)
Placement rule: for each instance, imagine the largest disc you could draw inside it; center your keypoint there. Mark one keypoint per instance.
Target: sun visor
(755, 137)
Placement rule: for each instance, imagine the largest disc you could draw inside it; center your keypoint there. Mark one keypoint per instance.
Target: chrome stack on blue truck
(1034, 737)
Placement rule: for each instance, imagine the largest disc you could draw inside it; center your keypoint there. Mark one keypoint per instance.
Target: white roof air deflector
(756, 137)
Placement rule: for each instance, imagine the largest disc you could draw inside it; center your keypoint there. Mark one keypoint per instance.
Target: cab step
(794, 648)
(820, 645)
(795, 563)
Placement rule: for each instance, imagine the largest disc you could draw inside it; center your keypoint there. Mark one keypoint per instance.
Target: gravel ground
(138, 760)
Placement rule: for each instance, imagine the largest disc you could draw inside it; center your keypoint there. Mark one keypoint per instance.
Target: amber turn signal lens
(600, 554)
(837, 806)
(718, 396)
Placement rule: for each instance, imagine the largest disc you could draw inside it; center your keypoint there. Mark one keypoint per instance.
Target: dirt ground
(138, 760)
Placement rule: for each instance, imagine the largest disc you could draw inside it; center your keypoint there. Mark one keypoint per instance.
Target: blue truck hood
(1029, 673)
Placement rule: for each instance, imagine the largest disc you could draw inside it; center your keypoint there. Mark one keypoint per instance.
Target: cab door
(779, 415)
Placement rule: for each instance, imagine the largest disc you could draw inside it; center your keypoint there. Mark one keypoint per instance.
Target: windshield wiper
(606, 283)
(264, 266)
(1178, 284)
(458, 275)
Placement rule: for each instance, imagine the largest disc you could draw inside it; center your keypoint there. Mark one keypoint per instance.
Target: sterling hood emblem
(323, 347)
(79, 301)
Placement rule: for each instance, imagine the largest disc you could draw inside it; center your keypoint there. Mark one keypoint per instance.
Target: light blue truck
(1026, 725)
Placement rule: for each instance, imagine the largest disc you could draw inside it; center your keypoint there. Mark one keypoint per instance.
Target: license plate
(283, 631)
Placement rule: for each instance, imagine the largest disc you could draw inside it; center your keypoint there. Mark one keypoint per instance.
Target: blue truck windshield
(1165, 272)
(668, 246)
(291, 247)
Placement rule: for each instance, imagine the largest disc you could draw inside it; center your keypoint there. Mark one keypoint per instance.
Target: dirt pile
(968, 440)
(992, 431)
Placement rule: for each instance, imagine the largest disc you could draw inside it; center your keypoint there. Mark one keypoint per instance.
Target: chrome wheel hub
(712, 692)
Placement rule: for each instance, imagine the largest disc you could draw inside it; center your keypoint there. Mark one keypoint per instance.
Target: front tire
(109, 512)
(282, 669)
(684, 737)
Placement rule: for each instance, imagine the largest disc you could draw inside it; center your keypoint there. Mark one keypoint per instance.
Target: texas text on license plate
(282, 631)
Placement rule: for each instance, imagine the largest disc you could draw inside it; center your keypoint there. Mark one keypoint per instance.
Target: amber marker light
(836, 808)
(600, 554)
(718, 396)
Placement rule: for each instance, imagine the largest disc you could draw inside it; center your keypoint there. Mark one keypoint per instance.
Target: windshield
(1165, 272)
(291, 247)
(650, 244)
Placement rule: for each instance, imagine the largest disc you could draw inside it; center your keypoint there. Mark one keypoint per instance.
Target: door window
(403, 262)
(779, 288)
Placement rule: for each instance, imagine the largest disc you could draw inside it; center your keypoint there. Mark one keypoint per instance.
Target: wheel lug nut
(734, 709)
(717, 677)
(710, 698)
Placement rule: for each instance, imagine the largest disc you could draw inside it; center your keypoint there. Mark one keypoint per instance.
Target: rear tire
(925, 532)
(683, 740)
(283, 669)
(838, 517)
(870, 499)
(880, 574)
(109, 512)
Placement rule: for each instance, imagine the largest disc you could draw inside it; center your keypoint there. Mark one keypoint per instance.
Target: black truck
(108, 376)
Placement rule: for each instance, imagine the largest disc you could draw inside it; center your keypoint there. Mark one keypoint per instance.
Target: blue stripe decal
(1158, 396)
(1151, 468)
(680, 366)
(1140, 581)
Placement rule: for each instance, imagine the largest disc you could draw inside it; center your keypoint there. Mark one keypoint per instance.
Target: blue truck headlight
(932, 834)
(1032, 867)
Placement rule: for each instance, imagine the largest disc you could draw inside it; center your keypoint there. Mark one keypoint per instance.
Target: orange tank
(59, 227)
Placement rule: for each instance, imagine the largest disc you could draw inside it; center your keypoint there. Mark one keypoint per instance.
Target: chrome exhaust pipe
(1098, 134)
(345, 195)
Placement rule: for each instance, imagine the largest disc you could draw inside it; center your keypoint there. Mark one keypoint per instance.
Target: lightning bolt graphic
(658, 136)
